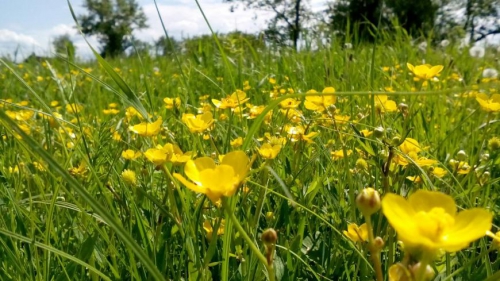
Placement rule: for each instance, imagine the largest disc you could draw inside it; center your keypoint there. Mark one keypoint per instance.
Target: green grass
(59, 224)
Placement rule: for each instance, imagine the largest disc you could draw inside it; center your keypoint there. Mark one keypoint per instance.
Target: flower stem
(375, 252)
(251, 244)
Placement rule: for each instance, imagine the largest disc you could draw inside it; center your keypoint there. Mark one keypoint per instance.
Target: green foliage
(289, 20)
(112, 21)
(63, 45)
(68, 213)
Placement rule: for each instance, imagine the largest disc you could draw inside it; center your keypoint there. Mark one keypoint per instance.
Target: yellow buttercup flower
(129, 154)
(147, 129)
(234, 100)
(320, 103)
(172, 102)
(425, 71)
(357, 234)
(215, 180)
(237, 142)
(339, 154)
(489, 104)
(289, 103)
(268, 151)
(207, 226)
(129, 177)
(384, 104)
(428, 221)
(198, 123)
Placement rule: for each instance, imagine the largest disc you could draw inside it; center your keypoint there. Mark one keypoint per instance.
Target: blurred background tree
(64, 46)
(112, 21)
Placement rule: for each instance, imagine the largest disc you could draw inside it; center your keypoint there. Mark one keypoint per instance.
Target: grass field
(108, 169)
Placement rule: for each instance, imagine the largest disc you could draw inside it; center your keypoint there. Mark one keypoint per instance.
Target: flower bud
(361, 164)
(494, 144)
(403, 107)
(269, 237)
(396, 141)
(378, 243)
(368, 201)
(378, 132)
(428, 274)
(461, 155)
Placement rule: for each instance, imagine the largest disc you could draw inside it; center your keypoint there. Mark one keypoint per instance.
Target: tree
(359, 16)
(290, 17)
(166, 47)
(416, 17)
(63, 45)
(112, 21)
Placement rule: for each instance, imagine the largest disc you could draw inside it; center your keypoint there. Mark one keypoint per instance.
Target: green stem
(377, 265)
(251, 244)
(423, 267)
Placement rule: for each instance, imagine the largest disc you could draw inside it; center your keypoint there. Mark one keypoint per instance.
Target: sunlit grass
(93, 188)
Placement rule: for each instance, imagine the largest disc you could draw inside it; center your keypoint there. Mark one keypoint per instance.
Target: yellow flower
(383, 104)
(357, 234)
(234, 100)
(171, 102)
(296, 133)
(147, 129)
(157, 156)
(319, 103)
(129, 154)
(268, 151)
(425, 71)
(81, 170)
(110, 111)
(289, 103)
(198, 123)
(410, 145)
(439, 172)
(167, 153)
(209, 229)
(237, 142)
(129, 177)
(338, 154)
(428, 221)
(214, 180)
(74, 108)
(489, 104)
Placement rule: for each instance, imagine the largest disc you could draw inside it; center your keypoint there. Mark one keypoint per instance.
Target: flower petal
(424, 200)
(469, 226)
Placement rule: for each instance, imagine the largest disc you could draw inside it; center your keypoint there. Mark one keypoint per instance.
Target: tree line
(113, 22)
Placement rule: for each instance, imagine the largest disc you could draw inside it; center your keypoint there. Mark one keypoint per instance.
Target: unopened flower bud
(403, 107)
(461, 155)
(269, 216)
(494, 144)
(368, 201)
(378, 132)
(361, 164)
(332, 108)
(378, 243)
(269, 237)
(428, 274)
(396, 141)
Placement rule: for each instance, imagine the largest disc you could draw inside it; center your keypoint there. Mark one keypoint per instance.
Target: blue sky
(31, 25)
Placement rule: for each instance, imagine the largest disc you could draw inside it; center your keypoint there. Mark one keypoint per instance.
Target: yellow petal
(424, 200)
(193, 167)
(469, 226)
(190, 185)
(239, 161)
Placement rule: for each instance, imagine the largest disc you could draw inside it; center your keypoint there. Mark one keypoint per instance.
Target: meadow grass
(75, 207)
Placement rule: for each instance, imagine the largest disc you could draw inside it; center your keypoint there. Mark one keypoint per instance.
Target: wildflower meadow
(240, 162)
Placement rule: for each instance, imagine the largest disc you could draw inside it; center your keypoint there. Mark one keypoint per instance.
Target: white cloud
(183, 19)
(11, 41)
(62, 29)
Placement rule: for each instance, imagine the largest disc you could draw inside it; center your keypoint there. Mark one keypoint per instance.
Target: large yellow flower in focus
(214, 180)
(425, 71)
(428, 221)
